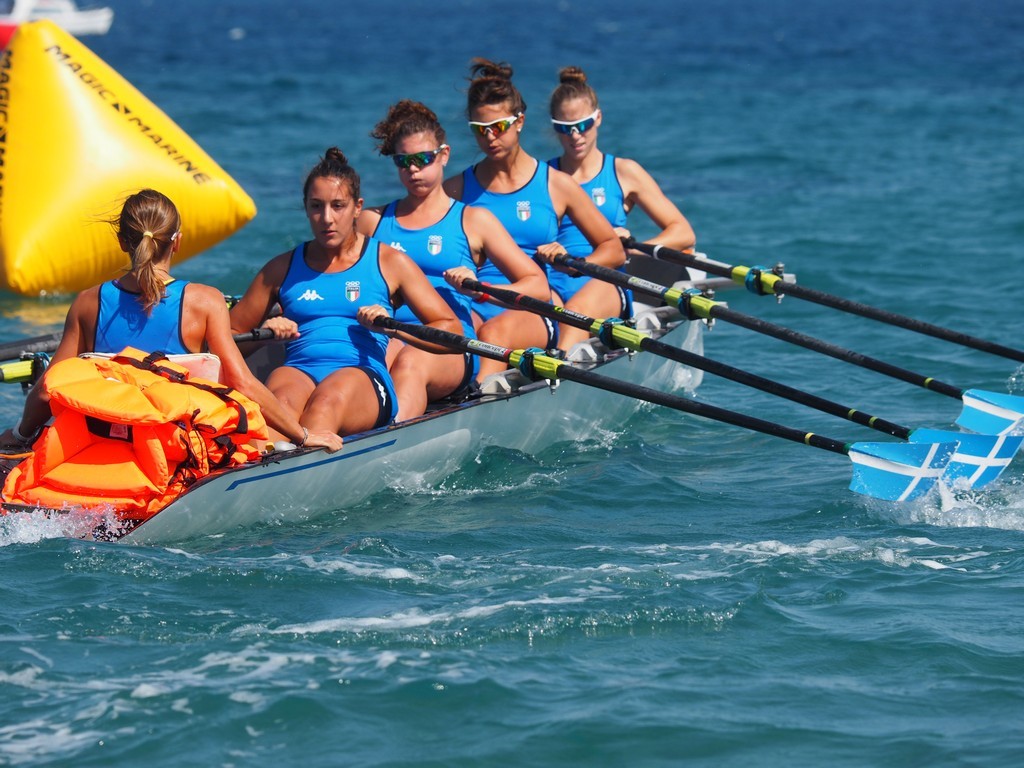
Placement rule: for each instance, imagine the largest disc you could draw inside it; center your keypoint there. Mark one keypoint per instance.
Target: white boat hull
(304, 485)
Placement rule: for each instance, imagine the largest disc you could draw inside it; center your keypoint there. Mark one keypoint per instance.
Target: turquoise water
(672, 590)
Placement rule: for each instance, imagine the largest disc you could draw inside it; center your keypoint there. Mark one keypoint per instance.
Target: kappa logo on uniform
(599, 196)
(398, 246)
(310, 294)
(434, 245)
(352, 290)
(522, 210)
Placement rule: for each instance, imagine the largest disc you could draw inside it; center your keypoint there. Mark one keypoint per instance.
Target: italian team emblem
(522, 210)
(599, 196)
(352, 290)
(434, 245)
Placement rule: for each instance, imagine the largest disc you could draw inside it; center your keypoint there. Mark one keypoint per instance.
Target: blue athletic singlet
(528, 214)
(121, 322)
(325, 305)
(606, 193)
(436, 248)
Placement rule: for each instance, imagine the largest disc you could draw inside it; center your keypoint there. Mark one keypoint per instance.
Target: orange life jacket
(130, 433)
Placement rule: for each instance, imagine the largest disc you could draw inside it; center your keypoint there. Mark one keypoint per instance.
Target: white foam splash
(414, 619)
(33, 527)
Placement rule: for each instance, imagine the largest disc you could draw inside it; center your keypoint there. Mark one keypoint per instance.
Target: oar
(980, 459)
(989, 413)
(890, 471)
(46, 343)
(24, 371)
(762, 280)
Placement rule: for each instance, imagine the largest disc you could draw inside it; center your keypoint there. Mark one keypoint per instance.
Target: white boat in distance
(64, 13)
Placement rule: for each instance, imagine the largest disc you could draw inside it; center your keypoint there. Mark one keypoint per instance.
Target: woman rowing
(151, 311)
(530, 198)
(330, 290)
(448, 240)
(615, 184)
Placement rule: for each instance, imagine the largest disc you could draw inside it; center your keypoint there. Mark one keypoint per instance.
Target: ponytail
(147, 227)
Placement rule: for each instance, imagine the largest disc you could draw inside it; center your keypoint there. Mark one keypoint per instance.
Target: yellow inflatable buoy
(76, 139)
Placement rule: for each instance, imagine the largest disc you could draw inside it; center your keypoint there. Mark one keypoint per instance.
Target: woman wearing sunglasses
(530, 198)
(331, 289)
(615, 184)
(448, 240)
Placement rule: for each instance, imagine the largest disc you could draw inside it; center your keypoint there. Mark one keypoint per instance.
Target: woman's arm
(255, 306)
(454, 187)
(409, 285)
(489, 239)
(640, 188)
(369, 220)
(573, 202)
(236, 374)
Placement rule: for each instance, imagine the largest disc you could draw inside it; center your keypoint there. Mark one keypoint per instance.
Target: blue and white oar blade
(978, 460)
(990, 413)
(898, 471)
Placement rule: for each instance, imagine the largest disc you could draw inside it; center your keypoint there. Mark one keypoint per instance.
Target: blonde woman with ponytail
(148, 309)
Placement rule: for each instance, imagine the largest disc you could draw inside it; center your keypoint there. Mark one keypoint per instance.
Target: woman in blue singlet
(331, 289)
(448, 240)
(615, 184)
(149, 310)
(529, 197)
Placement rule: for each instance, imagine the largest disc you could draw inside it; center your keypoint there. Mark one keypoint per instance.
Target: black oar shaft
(446, 339)
(628, 337)
(701, 307)
(698, 408)
(901, 321)
(552, 368)
(45, 343)
(779, 287)
(832, 350)
(776, 388)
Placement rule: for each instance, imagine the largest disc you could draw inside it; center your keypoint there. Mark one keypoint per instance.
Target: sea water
(671, 590)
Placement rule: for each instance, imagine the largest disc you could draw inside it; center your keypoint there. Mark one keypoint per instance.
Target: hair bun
(571, 75)
(336, 155)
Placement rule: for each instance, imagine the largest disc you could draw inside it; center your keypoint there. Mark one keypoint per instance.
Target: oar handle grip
(445, 339)
(530, 304)
(679, 257)
(46, 343)
(256, 334)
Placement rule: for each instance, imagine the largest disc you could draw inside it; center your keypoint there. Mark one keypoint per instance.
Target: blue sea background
(672, 590)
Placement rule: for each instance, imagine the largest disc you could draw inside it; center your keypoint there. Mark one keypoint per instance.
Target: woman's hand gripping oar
(890, 471)
(979, 460)
(761, 280)
(988, 413)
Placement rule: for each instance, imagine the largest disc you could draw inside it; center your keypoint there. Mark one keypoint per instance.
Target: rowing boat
(511, 412)
(663, 352)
